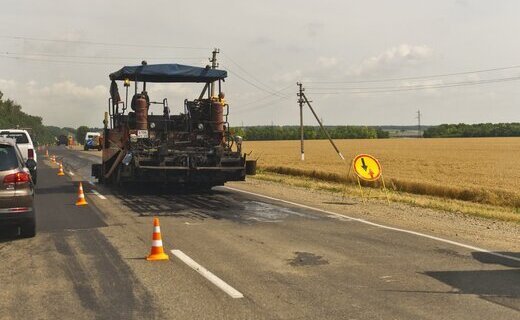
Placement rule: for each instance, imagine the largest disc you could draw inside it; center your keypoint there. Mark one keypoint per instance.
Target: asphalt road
(285, 260)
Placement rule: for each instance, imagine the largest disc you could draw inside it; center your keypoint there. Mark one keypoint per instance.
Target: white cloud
(67, 103)
(289, 76)
(62, 103)
(393, 58)
(327, 62)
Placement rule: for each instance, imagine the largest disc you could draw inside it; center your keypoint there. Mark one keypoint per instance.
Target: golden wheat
(480, 170)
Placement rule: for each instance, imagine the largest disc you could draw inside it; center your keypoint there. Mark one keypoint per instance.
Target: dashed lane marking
(455, 243)
(232, 292)
(98, 194)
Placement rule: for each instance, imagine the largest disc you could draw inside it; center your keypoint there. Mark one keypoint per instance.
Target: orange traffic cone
(157, 252)
(81, 196)
(53, 159)
(60, 170)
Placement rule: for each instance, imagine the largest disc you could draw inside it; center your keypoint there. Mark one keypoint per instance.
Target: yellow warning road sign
(367, 167)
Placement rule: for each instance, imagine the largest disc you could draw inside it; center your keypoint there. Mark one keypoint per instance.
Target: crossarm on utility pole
(322, 127)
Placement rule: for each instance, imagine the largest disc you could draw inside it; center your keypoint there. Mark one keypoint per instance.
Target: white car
(24, 143)
(92, 141)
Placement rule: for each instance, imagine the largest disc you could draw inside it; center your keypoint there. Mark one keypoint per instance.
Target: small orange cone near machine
(60, 170)
(81, 196)
(157, 252)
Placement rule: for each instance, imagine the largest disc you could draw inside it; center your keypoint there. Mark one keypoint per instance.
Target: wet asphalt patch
(307, 259)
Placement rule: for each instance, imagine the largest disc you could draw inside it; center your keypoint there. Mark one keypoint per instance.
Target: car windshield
(7, 158)
(19, 136)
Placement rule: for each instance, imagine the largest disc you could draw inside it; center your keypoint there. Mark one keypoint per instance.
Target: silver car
(16, 189)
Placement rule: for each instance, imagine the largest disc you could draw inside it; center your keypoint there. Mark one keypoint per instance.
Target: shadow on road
(488, 258)
(501, 286)
(340, 203)
(498, 286)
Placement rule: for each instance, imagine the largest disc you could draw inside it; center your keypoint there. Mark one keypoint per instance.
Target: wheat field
(475, 169)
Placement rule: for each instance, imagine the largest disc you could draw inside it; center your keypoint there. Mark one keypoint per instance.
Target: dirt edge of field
(495, 234)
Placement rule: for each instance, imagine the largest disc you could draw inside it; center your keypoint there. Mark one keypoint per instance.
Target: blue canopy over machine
(168, 73)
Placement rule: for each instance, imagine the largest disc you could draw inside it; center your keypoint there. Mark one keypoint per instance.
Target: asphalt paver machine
(142, 142)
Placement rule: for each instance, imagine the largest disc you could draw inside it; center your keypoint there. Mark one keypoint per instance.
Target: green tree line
(473, 130)
(310, 132)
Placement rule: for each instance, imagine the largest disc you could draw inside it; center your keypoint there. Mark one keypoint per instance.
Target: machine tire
(28, 229)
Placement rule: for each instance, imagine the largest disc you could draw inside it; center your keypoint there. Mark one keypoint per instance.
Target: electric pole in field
(214, 65)
(303, 99)
(300, 102)
(419, 123)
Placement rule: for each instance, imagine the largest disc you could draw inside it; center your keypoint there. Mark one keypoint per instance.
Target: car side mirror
(31, 164)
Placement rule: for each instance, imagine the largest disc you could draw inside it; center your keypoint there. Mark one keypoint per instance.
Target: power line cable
(267, 96)
(417, 86)
(60, 61)
(426, 87)
(107, 44)
(247, 73)
(94, 57)
(422, 77)
(271, 103)
(250, 83)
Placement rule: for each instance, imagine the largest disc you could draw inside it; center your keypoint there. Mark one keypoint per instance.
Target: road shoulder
(496, 235)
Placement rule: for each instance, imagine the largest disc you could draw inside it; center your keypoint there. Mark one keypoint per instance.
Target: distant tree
(473, 130)
(309, 132)
(80, 134)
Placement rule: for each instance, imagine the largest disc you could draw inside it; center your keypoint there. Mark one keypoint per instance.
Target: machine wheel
(28, 230)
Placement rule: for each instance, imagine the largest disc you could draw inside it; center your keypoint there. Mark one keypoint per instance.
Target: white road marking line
(71, 173)
(98, 194)
(455, 243)
(208, 275)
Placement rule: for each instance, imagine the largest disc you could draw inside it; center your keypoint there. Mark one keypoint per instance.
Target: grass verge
(491, 197)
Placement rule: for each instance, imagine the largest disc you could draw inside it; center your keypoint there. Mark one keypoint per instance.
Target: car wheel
(28, 229)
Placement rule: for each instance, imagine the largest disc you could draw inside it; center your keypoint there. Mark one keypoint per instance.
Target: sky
(360, 62)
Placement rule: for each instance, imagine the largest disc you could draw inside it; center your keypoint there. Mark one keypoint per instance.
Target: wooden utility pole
(323, 128)
(300, 102)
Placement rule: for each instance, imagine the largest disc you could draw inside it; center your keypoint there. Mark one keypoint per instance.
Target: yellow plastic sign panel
(367, 167)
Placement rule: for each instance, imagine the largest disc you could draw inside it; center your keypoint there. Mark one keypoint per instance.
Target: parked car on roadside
(16, 189)
(92, 141)
(25, 144)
